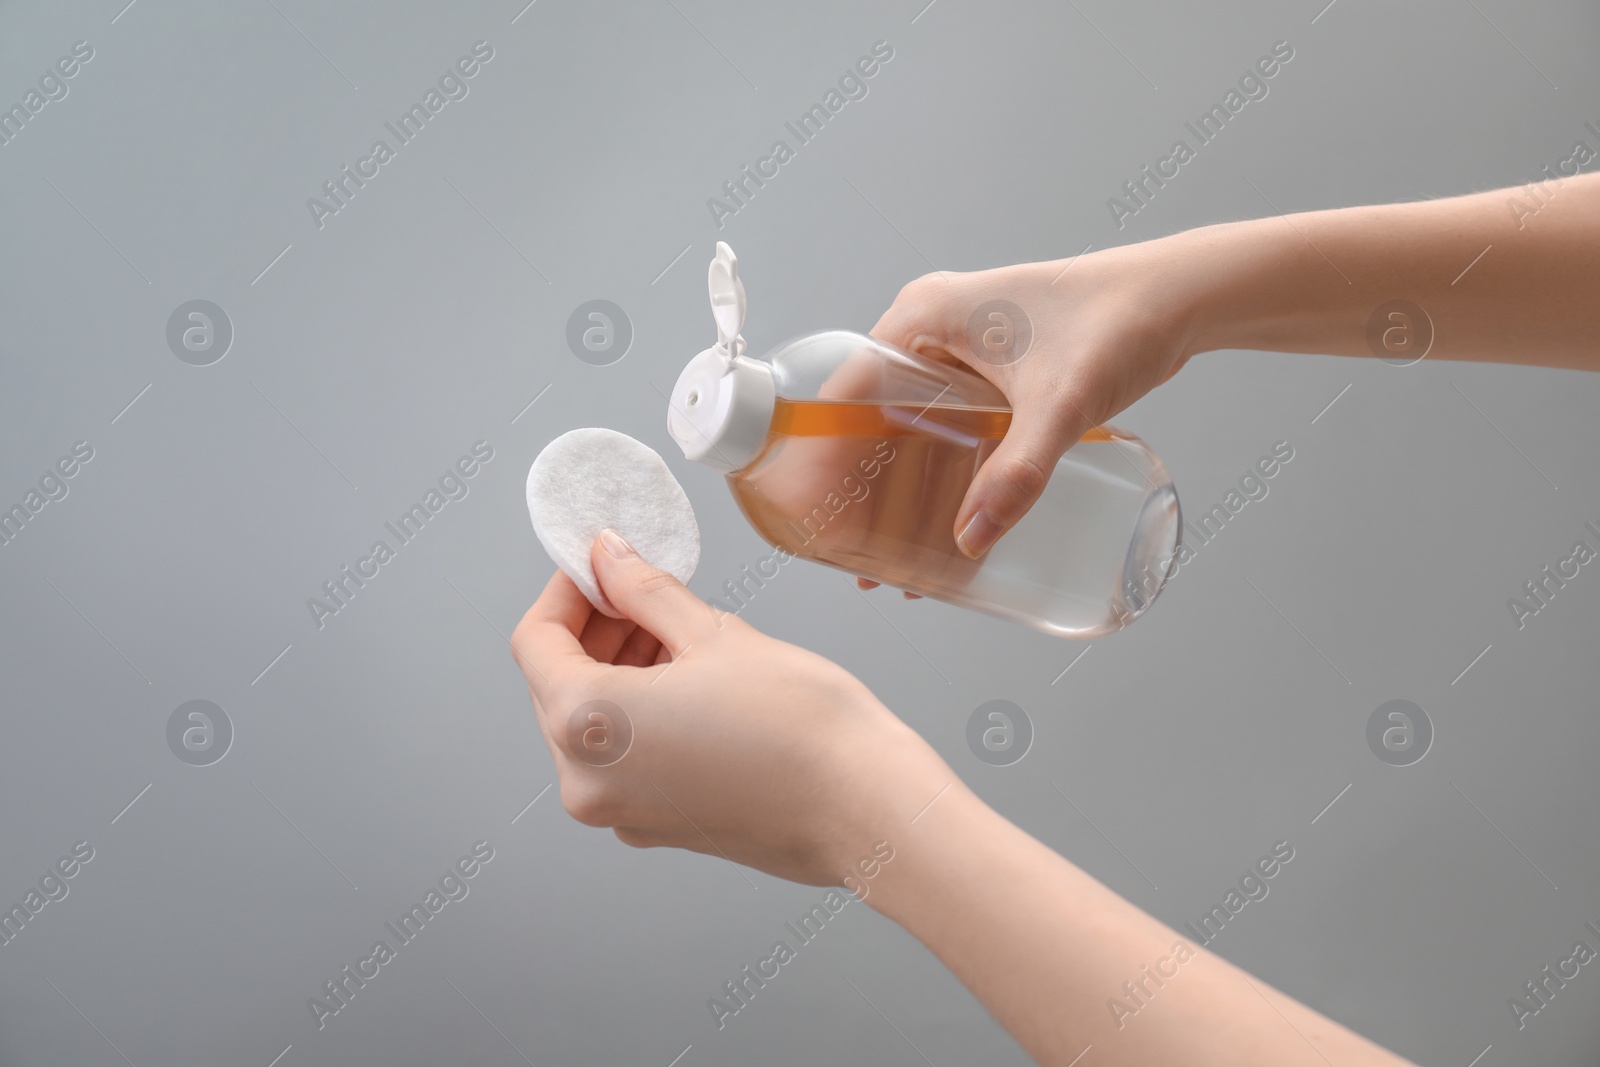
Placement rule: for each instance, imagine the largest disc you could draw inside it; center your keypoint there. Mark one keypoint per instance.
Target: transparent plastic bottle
(849, 452)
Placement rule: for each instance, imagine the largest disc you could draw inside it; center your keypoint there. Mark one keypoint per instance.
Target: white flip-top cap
(721, 408)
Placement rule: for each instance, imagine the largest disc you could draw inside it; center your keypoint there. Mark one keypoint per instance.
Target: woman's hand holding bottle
(1477, 282)
(1106, 327)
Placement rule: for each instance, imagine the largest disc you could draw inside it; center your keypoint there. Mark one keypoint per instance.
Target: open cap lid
(727, 299)
(721, 408)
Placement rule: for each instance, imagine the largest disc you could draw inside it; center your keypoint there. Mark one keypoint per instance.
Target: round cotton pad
(590, 480)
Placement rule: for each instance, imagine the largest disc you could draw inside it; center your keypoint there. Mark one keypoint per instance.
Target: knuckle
(1024, 476)
(916, 290)
(657, 583)
(521, 639)
(635, 838)
(587, 803)
(920, 313)
(1090, 388)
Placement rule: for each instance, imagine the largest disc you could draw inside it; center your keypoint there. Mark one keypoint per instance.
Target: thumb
(652, 598)
(1014, 476)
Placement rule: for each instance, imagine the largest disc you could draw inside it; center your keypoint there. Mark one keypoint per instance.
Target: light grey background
(431, 311)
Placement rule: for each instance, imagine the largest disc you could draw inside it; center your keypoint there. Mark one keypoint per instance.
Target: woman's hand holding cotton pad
(590, 480)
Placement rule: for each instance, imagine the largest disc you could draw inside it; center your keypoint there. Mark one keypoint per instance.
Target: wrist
(1245, 285)
(935, 834)
(887, 783)
(1222, 277)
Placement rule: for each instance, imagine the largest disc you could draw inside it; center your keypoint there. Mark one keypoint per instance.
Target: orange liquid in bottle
(873, 488)
(863, 418)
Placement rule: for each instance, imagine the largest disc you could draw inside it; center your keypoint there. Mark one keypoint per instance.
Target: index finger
(546, 642)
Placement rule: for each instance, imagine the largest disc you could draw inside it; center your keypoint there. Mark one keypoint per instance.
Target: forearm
(1505, 276)
(1048, 950)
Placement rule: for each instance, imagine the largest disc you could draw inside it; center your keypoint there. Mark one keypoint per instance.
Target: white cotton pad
(590, 480)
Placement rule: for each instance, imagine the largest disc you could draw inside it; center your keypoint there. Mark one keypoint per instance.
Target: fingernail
(615, 545)
(978, 535)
